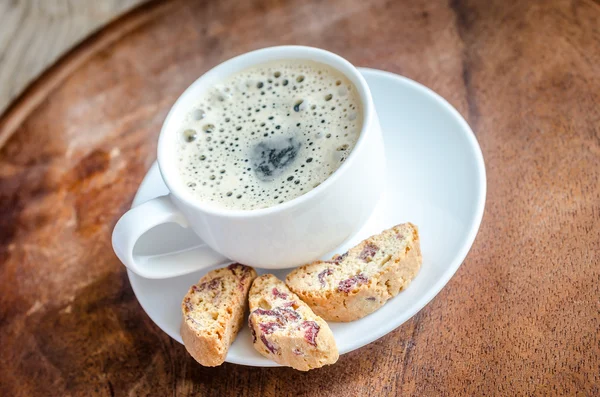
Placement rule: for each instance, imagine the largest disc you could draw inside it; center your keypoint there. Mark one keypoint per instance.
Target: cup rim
(247, 60)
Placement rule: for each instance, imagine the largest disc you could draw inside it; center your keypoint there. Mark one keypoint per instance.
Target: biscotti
(359, 282)
(213, 312)
(284, 328)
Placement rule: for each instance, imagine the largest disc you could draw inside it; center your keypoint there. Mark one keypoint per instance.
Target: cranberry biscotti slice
(284, 328)
(213, 312)
(359, 282)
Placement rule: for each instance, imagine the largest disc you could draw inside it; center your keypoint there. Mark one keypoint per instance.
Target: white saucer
(436, 179)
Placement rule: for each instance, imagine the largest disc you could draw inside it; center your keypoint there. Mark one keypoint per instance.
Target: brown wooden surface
(521, 316)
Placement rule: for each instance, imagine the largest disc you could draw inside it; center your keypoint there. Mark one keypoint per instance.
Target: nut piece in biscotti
(213, 312)
(359, 282)
(284, 328)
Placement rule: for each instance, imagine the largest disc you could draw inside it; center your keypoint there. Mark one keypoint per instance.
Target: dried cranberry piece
(268, 344)
(361, 278)
(289, 314)
(338, 259)
(288, 304)
(245, 270)
(251, 325)
(214, 283)
(297, 352)
(371, 298)
(269, 328)
(273, 313)
(346, 285)
(263, 312)
(323, 274)
(278, 294)
(234, 266)
(312, 330)
(368, 252)
(283, 314)
(211, 285)
(245, 273)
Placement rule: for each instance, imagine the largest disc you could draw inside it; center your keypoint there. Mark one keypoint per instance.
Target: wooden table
(520, 317)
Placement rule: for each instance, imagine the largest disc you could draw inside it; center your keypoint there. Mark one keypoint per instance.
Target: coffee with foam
(268, 134)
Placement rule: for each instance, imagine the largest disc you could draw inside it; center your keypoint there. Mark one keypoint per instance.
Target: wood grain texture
(34, 33)
(520, 317)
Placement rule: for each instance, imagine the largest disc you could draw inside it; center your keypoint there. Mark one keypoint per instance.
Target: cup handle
(137, 221)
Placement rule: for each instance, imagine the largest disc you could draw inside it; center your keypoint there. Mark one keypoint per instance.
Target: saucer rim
(450, 269)
(477, 215)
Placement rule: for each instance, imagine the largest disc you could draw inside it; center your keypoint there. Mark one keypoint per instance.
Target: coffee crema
(268, 134)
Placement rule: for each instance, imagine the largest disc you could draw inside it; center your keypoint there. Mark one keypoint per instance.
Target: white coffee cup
(290, 234)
